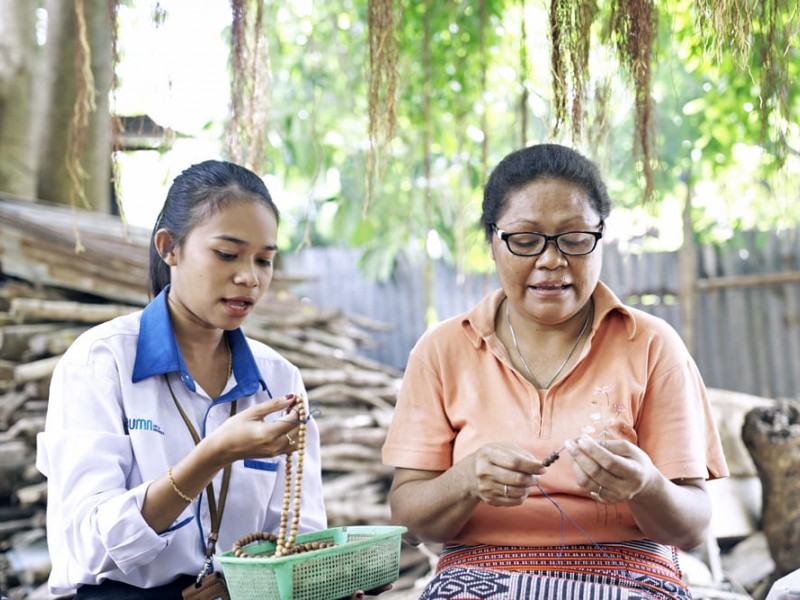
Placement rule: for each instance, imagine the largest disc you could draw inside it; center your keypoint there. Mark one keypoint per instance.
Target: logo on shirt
(142, 425)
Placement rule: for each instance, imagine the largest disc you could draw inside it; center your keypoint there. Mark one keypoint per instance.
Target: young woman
(167, 428)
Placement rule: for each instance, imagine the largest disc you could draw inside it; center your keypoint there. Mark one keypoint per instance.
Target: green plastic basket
(362, 558)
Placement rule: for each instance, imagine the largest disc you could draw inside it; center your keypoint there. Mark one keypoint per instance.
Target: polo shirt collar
(606, 303)
(478, 322)
(157, 353)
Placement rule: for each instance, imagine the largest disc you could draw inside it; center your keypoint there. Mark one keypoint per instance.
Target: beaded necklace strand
(292, 491)
(285, 544)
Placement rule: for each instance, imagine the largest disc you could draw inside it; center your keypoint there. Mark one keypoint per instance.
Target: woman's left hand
(675, 512)
(610, 471)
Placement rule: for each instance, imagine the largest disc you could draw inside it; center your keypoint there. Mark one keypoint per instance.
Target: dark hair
(196, 194)
(541, 161)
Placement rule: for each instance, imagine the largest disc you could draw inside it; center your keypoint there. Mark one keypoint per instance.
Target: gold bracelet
(177, 489)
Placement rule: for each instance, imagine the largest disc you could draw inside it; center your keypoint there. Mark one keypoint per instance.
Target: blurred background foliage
(376, 122)
(477, 80)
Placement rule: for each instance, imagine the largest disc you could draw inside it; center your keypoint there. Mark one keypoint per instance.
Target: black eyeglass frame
(505, 236)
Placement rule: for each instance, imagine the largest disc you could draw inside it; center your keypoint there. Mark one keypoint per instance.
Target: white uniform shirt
(112, 428)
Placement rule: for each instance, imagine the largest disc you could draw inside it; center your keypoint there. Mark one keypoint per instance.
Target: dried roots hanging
(382, 19)
(778, 32)
(570, 42)
(760, 36)
(598, 129)
(726, 25)
(633, 26)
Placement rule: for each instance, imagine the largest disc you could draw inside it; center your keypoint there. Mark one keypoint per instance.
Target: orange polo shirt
(634, 380)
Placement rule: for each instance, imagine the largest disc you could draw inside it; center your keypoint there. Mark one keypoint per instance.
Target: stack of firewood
(63, 271)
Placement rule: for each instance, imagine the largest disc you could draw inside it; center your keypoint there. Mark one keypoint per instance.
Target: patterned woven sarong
(627, 570)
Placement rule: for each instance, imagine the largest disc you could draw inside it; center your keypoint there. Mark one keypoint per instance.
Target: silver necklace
(563, 364)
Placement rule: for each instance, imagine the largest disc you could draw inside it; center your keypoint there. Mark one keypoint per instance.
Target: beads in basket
(240, 544)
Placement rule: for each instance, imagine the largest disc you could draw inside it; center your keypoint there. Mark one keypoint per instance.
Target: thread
(565, 517)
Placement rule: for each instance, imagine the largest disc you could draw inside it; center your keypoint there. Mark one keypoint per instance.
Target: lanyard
(215, 509)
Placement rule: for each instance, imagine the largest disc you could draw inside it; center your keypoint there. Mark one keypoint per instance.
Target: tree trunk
(18, 57)
(61, 80)
(772, 436)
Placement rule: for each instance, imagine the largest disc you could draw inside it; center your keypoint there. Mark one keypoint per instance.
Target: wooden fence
(747, 323)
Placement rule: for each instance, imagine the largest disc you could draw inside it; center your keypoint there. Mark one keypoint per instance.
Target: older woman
(552, 365)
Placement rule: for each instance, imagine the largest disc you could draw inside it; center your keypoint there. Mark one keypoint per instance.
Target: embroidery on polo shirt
(607, 413)
(135, 424)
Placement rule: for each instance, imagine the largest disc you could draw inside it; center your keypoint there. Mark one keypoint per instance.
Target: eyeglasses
(571, 243)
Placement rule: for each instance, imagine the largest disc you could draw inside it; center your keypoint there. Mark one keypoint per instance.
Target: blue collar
(157, 353)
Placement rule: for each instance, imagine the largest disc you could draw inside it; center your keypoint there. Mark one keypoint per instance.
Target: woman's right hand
(248, 435)
(505, 474)
(435, 505)
(245, 435)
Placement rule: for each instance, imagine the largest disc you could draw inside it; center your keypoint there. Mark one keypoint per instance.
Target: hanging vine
(382, 21)
(727, 25)
(599, 128)
(779, 29)
(244, 139)
(570, 37)
(633, 26)
(761, 38)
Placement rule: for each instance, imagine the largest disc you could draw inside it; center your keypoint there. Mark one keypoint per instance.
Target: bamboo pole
(33, 371)
(33, 309)
(744, 281)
